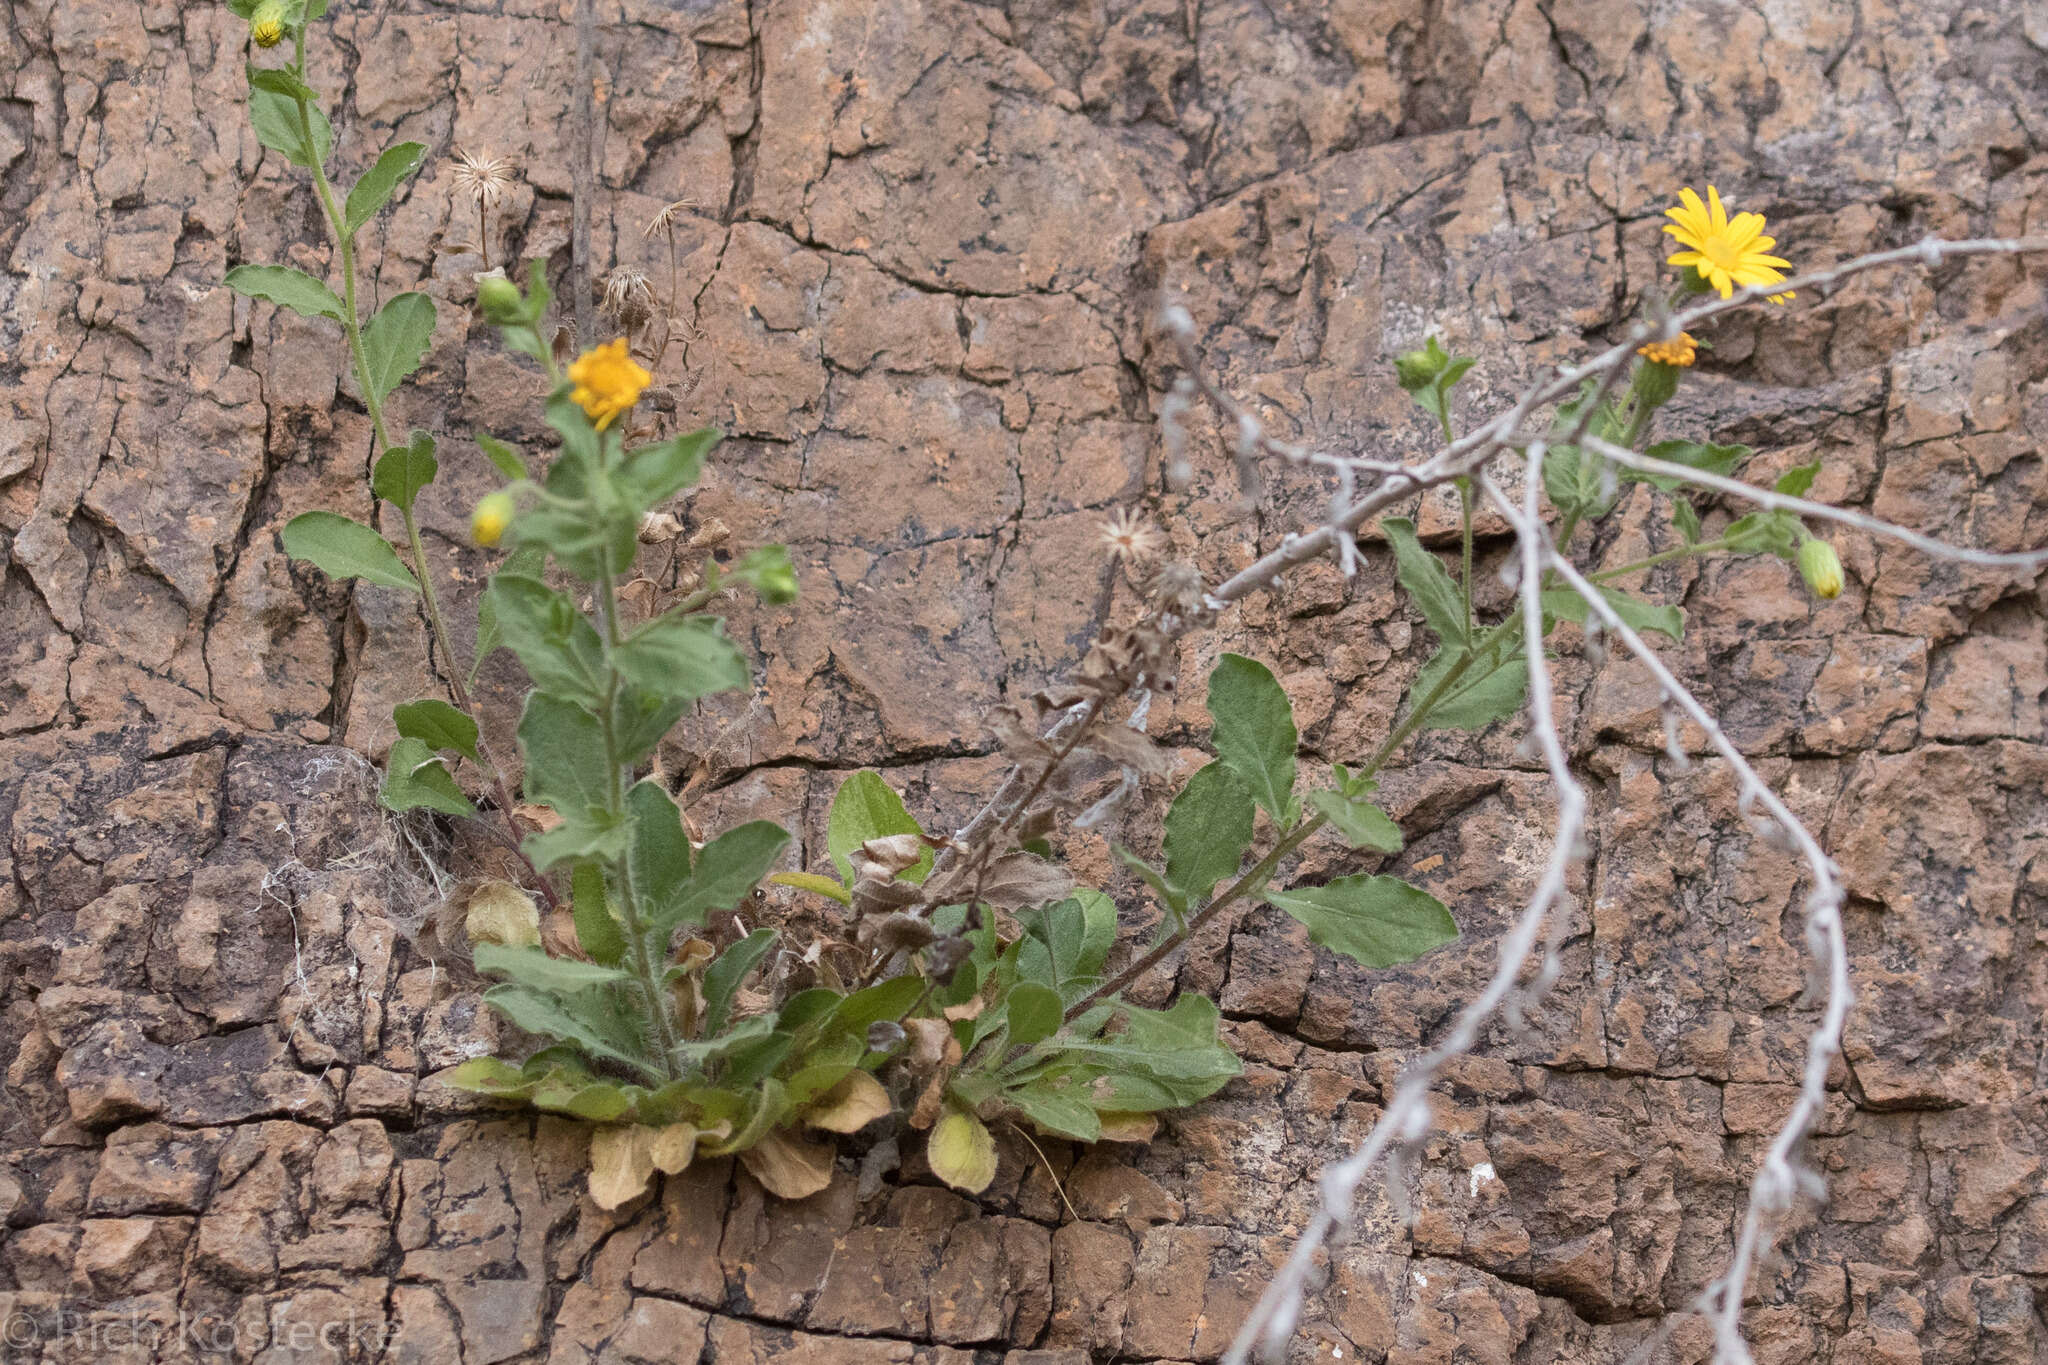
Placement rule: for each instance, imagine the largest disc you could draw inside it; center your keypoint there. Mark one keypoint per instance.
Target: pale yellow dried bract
(621, 1163)
(789, 1167)
(850, 1105)
(501, 913)
(1128, 1127)
(962, 1152)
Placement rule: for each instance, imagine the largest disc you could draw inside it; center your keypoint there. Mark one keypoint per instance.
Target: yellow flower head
(493, 514)
(607, 382)
(1726, 252)
(267, 27)
(1679, 351)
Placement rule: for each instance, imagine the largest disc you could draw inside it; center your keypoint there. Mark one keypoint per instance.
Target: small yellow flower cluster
(607, 381)
(1821, 567)
(493, 515)
(1726, 252)
(1681, 351)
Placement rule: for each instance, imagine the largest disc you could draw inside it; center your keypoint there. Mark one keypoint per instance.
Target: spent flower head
(1725, 251)
(607, 382)
(484, 178)
(627, 298)
(1681, 351)
(1127, 535)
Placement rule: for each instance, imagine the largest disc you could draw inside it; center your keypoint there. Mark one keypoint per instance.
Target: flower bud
(1821, 567)
(493, 514)
(502, 303)
(1418, 368)
(266, 25)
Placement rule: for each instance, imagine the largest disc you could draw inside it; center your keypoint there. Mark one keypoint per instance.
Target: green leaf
(1486, 693)
(276, 120)
(582, 834)
(661, 848)
(866, 807)
(438, 725)
(1378, 921)
(722, 979)
(1427, 581)
(1176, 899)
(404, 470)
(557, 644)
(640, 720)
(415, 778)
(565, 755)
(289, 288)
(1640, 615)
(1079, 931)
(767, 570)
(525, 562)
(374, 190)
(1254, 732)
(597, 930)
(1208, 829)
(962, 1152)
(555, 975)
(811, 881)
(1705, 457)
(508, 460)
(1362, 824)
(889, 1000)
(551, 1017)
(281, 81)
(682, 657)
(396, 341)
(1034, 1014)
(341, 548)
(1056, 1109)
(1775, 533)
(728, 868)
(1794, 482)
(1686, 520)
(655, 473)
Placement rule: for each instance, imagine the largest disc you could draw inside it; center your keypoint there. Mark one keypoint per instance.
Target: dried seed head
(665, 220)
(484, 178)
(627, 298)
(1127, 535)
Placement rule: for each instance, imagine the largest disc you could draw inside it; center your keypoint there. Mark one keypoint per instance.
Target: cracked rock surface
(922, 249)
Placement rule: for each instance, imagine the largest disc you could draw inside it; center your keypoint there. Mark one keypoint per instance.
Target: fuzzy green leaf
(1208, 829)
(723, 978)
(551, 1016)
(415, 778)
(374, 190)
(1056, 1109)
(1427, 581)
(1486, 693)
(1362, 824)
(597, 930)
(341, 548)
(286, 287)
(661, 847)
(1378, 921)
(396, 341)
(682, 657)
(565, 755)
(1034, 1013)
(1640, 615)
(654, 474)
(404, 470)
(508, 460)
(559, 647)
(438, 725)
(866, 807)
(555, 975)
(525, 562)
(1703, 456)
(1795, 481)
(728, 868)
(276, 120)
(1254, 732)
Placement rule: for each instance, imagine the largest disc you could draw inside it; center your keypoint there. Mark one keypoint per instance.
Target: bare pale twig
(1819, 511)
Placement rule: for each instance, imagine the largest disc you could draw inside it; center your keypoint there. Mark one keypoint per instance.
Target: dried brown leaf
(789, 1167)
(621, 1163)
(850, 1105)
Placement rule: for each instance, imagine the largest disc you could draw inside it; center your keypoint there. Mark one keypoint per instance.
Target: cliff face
(919, 261)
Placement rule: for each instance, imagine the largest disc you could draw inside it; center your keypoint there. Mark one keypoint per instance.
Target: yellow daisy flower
(607, 382)
(1726, 252)
(267, 27)
(1681, 351)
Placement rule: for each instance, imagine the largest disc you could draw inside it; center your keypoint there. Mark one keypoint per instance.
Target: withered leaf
(621, 1163)
(896, 933)
(873, 897)
(850, 1105)
(1129, 747)
(883, 858)
(1019, 879)
(789, 1167)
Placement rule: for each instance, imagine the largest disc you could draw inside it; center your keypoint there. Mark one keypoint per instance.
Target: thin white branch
(1819, 511)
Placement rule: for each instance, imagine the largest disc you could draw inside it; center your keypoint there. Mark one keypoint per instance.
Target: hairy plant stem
(1662, 557)
(374, 403)
(617, 775)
